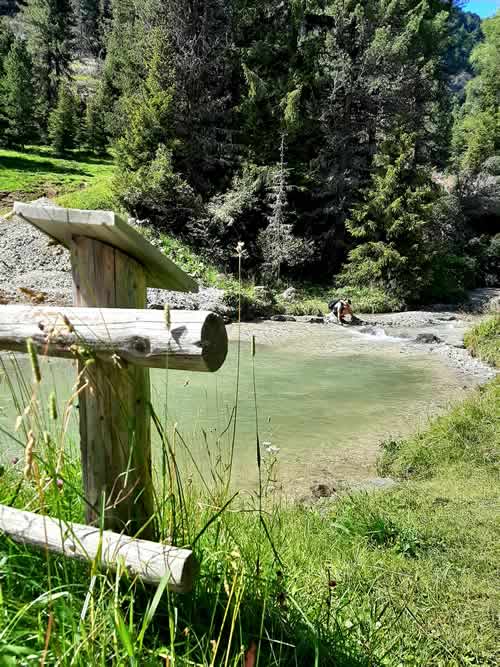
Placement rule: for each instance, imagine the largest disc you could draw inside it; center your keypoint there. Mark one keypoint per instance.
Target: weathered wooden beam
(196, 340)
(114, 401)
(147, 560)
(108, 227)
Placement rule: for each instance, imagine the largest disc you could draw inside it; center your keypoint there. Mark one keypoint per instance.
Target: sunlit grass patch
(37, 172)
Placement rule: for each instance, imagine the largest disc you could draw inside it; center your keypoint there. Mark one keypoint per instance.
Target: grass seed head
(53, 406)
(35, 366)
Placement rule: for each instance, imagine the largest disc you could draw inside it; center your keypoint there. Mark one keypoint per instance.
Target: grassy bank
(80, 180)
(483, 341)
(401, 577)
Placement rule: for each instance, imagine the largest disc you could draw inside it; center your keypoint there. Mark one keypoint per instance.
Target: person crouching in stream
(340, 309)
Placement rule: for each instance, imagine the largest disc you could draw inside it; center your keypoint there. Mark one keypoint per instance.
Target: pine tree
(6, 41)
(18, 94)
(393, 224)
(148, 109)
(280, 247)
(63, 120)
(92, 18)
(96, 135)
(477, 130)
(49, 28)
(146, 182)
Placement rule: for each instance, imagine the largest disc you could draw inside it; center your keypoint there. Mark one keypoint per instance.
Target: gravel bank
(29, 260)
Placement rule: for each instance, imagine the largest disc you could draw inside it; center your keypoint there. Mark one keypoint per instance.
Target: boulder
(427, 338)
(290, 294)
(322, 490)
(494, 304)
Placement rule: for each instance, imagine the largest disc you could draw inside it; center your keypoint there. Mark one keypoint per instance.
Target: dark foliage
(199, 99)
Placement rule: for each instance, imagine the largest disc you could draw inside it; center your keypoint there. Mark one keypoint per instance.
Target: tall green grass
(483, 341)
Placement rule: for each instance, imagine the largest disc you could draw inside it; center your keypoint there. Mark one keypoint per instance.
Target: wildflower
(240, 249)
(116, 359)
(14, 460)
(272, 450)
(59, 483)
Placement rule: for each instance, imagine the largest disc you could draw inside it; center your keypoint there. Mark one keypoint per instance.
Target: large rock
(427, 338)
(494, 305)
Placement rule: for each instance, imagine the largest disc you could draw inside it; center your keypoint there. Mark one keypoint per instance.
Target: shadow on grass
(264, 625)
(44, 166)
(279, 632)
(76, 155)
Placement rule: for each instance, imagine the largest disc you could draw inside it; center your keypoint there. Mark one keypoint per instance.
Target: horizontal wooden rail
(147, 560)
(191, 340)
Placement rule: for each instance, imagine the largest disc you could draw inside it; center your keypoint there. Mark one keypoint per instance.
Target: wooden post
(112, 265)
(115, 418)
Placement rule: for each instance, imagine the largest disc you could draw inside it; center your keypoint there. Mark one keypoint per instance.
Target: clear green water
(324, 399)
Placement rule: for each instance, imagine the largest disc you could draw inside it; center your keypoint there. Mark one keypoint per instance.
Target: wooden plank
(114, 401)
(147, 560)
(196, 340)
(108, 227)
